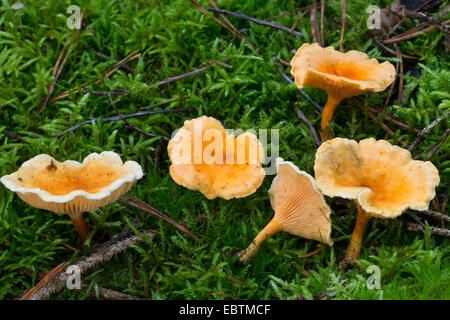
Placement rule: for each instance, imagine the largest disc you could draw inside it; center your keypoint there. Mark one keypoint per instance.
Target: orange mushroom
(300, 209)
(381, 178)
(341, 75)
(205, 158)
(71, 187)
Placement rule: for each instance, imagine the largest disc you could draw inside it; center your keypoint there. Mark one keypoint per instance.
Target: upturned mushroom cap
(342, 75)
(72, 187)
(205, 158)
(383, 178)
(299, 206)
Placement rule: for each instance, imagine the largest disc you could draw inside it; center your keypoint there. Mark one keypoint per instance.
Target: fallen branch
(272, 25)
(105, 252)
(434, 230)
(139, 204)
(437, 215)
(120, 117)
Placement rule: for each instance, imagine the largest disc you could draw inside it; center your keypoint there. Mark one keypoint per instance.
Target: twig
(105, 252)
(289, 13)
(310, 254)
(434, 230)
(299, 91)
(139, 204)
(309, 124)
(389, 50)
(13, 136)
(272, 25)
(434, 147)
(404, 12)
(322, 19)
(412, 35)
(44, 281)
(313, 20)
(344, 12)
(400, 82)
(299, 18)
(426, 131)
(118, 118)
(240, 36)
(106, 74)
(436, 214)
(59, 66)
(128, 125)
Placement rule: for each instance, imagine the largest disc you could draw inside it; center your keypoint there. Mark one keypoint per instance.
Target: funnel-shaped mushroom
(341, 75)
(205, 158)
(382, 179)
(71, 187)
(300, 209)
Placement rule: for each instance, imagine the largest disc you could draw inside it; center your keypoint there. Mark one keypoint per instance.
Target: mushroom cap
(381, 177)
(72, 187)
(208, 159)
(299, 206)
(342, 75)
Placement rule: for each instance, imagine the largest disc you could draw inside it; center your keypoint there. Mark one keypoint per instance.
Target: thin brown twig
(139, 204)
(314, 25)
(426, 131)
(400, 82)
(309, 254)
(322, 20)
(309, 124)
(299, 18)
(59, 66)
(109, 294)
(404, 12)
(344, 12)
(272, 25)
(412, 35)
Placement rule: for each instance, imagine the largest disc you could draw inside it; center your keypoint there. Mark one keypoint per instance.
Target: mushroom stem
(80, 225)
(355, 246)
(270, 229)
(327, 115)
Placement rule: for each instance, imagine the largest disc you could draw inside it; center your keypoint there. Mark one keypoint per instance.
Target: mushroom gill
(71, 187)
(381, 178)
(300, 209)
(341, 75)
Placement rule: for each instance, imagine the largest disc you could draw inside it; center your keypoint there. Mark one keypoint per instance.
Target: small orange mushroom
(381, 178)
(205, 158)
(71, 187)
(341, 75)
(300, 209)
